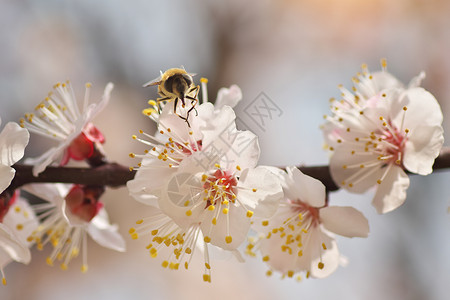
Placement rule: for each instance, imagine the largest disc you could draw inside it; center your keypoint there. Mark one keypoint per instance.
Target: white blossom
(376, 136)
(60, 118)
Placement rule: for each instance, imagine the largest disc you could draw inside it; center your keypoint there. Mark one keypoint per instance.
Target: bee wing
(155, 81)
(191, 74)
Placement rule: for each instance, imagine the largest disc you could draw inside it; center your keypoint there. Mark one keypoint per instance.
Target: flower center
(219, 187)
(83, 201)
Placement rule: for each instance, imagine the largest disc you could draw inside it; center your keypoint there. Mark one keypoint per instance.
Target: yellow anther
(324, 246)
(19, 226)
(17, 209)
(265, 223)
(88, 85)
(300, 253)
(320, 265)
(238, 168)
(228, 239)
(49, 261)
(269, 273)
(207, 266)
(152, 103)
(132, 230)
(225, 211)
(204, 80)
(290, 273)
(63, 266)
(165, 264)
(189, 213)
(217, 166)
(379, 181)
(265, 258)
(206, 278)
(249, 213)
(211, 207)
(132, 155)
(84, 268)
(138, 222)
(214, 221)
(207, 239)
(254, 190)
(4, 281)
(134, 236)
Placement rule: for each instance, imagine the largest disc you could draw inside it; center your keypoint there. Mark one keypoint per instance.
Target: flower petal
(422, 148)
(345, 221)
(307, 189)
(6, 176)
(228, 96)
(391, 193)
(104, 233)
(12, 246)
(13, 140)
(259, 190)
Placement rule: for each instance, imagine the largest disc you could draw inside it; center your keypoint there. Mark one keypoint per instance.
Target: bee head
(178, 84)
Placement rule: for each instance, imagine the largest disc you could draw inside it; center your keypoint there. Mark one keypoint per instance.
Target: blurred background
(289, 54)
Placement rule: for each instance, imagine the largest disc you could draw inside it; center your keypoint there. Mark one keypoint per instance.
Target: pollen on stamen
(132, 155)
(189, 213)
(249, 213)
(320, 265)
(254, 190)
(324, 246)
(228, 239)
(84, 268)
(206, 277)
(265, 223)
(207, 239)
(225, 211)
(265, 258)
(238, 168)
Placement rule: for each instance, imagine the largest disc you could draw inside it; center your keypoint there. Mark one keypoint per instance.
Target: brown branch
(109, 174)
(115, 175)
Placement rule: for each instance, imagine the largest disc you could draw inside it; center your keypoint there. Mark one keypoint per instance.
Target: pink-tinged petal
(11, 246)
(228, 96)
(235, 224)
(345, 221)
(421, 149)
(6, 176)
(308, 189)
(13, 140)
(105, 234)
(260, 191)
(391, 193)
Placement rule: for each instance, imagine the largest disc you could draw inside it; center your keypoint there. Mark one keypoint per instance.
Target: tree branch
(116, 175)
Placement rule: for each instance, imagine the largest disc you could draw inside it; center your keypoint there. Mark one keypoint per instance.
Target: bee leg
(159, 100)
(194, 101)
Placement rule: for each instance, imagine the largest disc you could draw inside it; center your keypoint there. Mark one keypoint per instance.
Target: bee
(176, 85)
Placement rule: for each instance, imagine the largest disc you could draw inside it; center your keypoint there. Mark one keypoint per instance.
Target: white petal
(228, 96)
(21, 213)
(330, 259)
(345, 221)
(12, 246)
(235, 224)
(422, 148)
(362, 178)
(51, 192)
(392, 191)
(384, 80)
(104, 233)
(307, 189)
(6, 176)
(243, 152)
(260, 191)
(13, 140)
(422, 110)
(417, 80)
